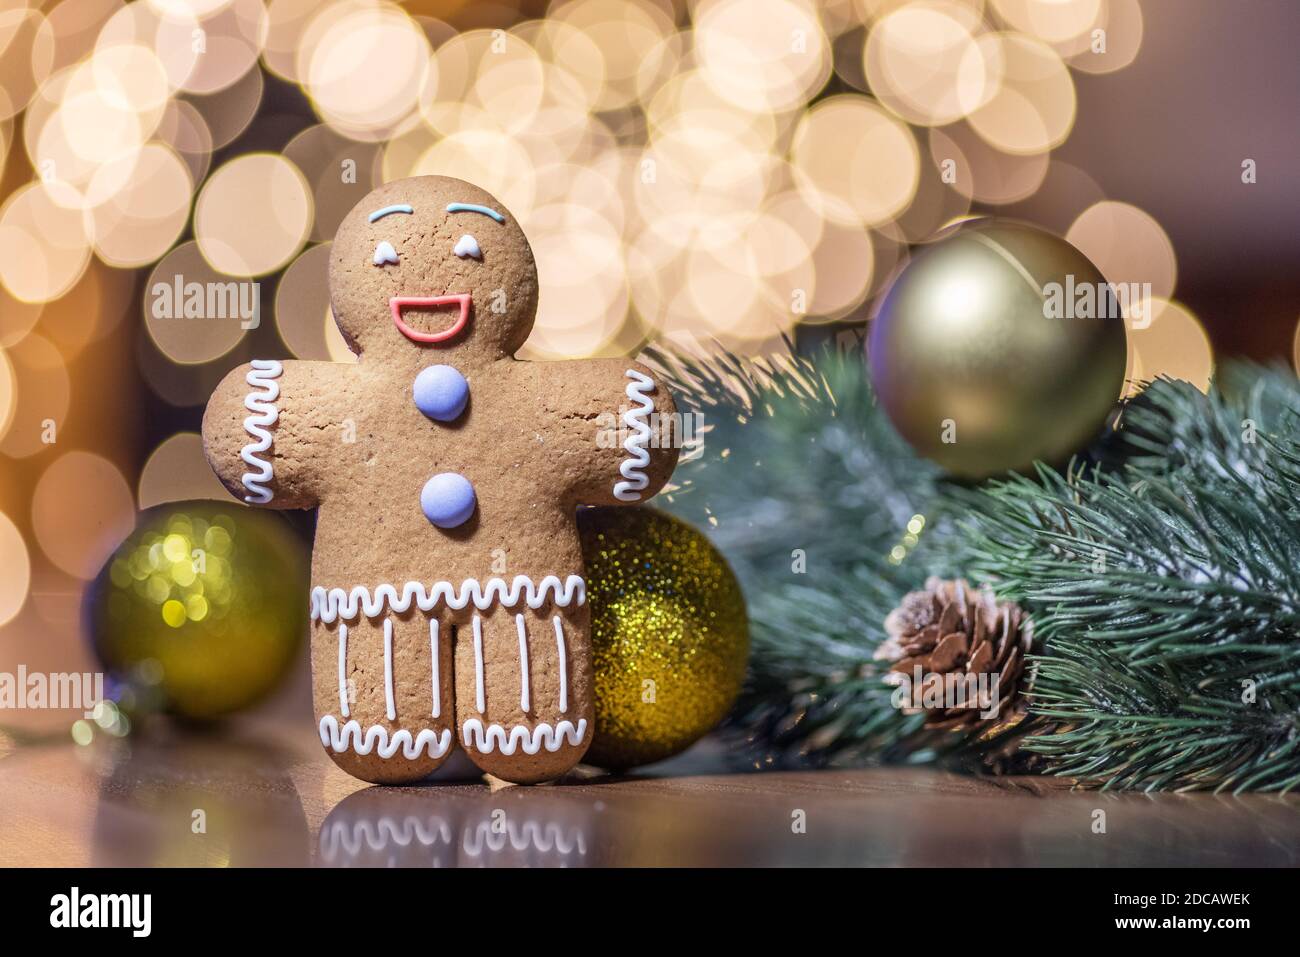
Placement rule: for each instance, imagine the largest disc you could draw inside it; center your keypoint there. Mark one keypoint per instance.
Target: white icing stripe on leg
(636, 445)
(478, 666)
(329, 604)
(343, 670)
(437, 675)
(495, 737)
(260, 402)
(564, 666)
(350, 737)
(388, 669)
(523, 662)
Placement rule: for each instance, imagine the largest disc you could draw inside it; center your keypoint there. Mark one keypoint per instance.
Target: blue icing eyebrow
(475, 208)
(387, 210)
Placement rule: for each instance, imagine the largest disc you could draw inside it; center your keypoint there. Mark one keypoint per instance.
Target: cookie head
(433, 263)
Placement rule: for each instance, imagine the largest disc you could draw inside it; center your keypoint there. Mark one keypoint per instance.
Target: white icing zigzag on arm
(327, 605)
(376, 738)
(494, 736)
(636, 445)
(262, 405)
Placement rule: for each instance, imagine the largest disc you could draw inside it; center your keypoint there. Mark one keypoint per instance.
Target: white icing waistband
(375, 738)
(328, 605)
(495, 737)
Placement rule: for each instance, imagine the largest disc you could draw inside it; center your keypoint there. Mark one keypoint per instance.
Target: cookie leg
(384, 695)
(523, 691)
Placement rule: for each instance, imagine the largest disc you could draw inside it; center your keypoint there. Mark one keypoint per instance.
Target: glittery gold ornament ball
(202, 609)
(996, 346)
(670, 637)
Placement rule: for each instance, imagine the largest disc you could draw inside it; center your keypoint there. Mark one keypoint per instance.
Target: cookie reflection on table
(526, 829)
(406, 833)
(444, 826)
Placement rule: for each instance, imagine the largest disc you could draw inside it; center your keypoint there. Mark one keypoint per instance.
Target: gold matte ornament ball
(203, 606)
(670, 638)
(998, 345)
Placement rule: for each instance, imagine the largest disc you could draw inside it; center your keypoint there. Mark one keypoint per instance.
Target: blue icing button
(447, 500)
(441, 393)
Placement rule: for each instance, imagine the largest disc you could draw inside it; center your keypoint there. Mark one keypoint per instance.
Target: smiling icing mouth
(398, 303)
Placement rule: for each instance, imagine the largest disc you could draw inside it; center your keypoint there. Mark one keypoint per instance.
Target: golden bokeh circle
(41, 396)
(302, 307)
(183, 128)
(18, 570)
(762, 55)
(629, 34)
(844, 262)
(1053, 21)
(44, 242)
(17, 317)
(225, 40)
(170, 37)
(176, 471)
(26, 55)
(1034, 107)
(184, 8)
(583, 297)
(193, 313)
(980, 172)
(574, 67)
(859, 162)
(82, 508)
(90, 310)
(1122, 29)
(228, 112)
(76, 27)
(509, 86)
(364, 66)
(287, 22)
(923, 62)
(1127, 245)
(1171, 341)
(340, 170)
(142, 221)
(492, 159)
(8, 393)
(253, 215)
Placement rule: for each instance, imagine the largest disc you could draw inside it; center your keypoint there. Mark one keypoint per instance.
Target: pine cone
(957, 634)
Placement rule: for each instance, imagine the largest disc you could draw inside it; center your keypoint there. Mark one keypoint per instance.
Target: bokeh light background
(688, 171)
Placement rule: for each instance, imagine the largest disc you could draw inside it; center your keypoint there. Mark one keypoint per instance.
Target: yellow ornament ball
(203, 608)
(670, 638)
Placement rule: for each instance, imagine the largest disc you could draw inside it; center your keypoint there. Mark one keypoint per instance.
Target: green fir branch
(1164, 592)
(1162, 572)
(796, 455)
(806, 488)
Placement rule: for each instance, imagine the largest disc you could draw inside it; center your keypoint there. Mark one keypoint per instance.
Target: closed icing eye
(468, 246)
(385, 253)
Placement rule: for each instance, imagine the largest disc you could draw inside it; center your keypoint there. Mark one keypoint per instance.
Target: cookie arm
(615, 436)
(259, 427)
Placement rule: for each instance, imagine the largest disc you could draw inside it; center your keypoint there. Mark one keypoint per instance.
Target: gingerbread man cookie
(448, 607)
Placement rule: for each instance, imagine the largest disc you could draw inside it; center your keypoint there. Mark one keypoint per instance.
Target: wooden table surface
(254, 794)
